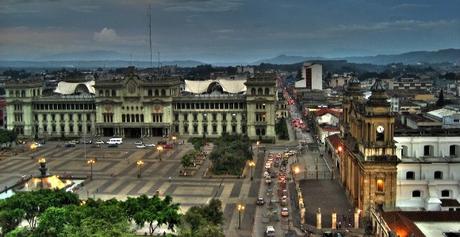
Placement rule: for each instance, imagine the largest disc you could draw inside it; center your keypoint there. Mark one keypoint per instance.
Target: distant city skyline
(223, 30)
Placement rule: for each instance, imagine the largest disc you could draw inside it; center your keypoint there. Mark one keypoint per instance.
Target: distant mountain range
(93, 64)
(102, 58)
(416, 57)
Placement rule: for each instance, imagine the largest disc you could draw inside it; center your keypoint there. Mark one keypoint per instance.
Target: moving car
(100, 142)
(138, 143)
(268, 181)
(260, 201)
(141, 146)
(112, 145)
(284, 212)
(150, 145)
(269, 231)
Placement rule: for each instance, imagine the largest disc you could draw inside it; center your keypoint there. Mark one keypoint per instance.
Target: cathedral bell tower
(368, 163)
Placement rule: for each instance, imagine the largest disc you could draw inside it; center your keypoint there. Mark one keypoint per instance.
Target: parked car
(260, 201)
(140, 146)
(69, 144)
(75, 141)
(87, 142)
(168, 146)
(138, 143)
(284, 212)
(99, 142)
(112, 145)
(150, 145)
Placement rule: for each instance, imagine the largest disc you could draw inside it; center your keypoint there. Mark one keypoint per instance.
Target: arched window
(114, 93)
(438, 175)
(410, 175)
(163, 92)
(445, 193)
(156, 92)
(253, 91)
(150, 92)
(23, 93)
(260, 91)
(416, 193)
(267, 91)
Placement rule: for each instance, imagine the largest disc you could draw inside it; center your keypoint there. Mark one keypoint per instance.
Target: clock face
(380, 129)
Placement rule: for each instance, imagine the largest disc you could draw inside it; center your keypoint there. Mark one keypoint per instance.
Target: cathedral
(365, 152)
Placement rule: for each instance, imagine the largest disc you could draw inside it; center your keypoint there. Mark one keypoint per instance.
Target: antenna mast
(150, 34)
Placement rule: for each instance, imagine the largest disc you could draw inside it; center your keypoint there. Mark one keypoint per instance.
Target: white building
(429, 172)
(312, 77)
(449, 116)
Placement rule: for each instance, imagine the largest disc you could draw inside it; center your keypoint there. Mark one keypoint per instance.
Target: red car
(168, 146)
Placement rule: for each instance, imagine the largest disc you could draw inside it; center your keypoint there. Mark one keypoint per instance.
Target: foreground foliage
(52, 213)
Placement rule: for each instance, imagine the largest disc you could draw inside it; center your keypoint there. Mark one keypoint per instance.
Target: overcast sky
(224, 30)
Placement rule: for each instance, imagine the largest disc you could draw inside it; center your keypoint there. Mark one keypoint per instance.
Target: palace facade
(141, 107)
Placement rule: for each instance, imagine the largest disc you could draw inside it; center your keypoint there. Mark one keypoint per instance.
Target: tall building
(312, 77)
(365, 149)
(137, 107)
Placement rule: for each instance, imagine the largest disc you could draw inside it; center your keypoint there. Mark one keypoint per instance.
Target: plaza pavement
(115, 176)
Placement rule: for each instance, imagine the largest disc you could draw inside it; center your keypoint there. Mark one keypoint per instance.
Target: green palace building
(136, 107)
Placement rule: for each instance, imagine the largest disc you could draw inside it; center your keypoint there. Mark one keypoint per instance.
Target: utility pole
(150, 35)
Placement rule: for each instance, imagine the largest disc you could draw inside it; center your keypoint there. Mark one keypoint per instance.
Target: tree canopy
(230, 154)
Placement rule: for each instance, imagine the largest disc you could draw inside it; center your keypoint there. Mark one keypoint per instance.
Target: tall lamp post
(251, 165)
(91, 162)
(159, 149)
(33, 147)
(139, 164)
(258, 144)
(240, 208)
(174, 140)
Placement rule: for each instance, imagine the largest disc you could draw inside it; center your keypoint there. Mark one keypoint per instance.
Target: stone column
(318, 219)
(356, 218)
(334, 220)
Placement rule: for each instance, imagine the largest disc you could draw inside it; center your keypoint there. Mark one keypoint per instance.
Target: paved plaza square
(115, 176)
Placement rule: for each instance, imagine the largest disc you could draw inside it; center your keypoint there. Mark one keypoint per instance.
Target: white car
(139, 143)
(270, 231)
(150, 145)
(141, 146)
(99, 142)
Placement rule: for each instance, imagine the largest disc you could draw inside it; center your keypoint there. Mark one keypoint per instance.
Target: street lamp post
(139, 164)
(90, 162)
(258, 144)
(174, 140)
(159, 149)
(251, 165)
(240, 209)
(33, 146)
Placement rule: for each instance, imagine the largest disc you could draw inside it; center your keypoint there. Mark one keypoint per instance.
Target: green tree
(52, 222)
(187, 160)
(154, 210)
(10, 219)
(203, 221)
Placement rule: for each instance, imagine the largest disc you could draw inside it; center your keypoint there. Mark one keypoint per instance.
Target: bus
(117, 141)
